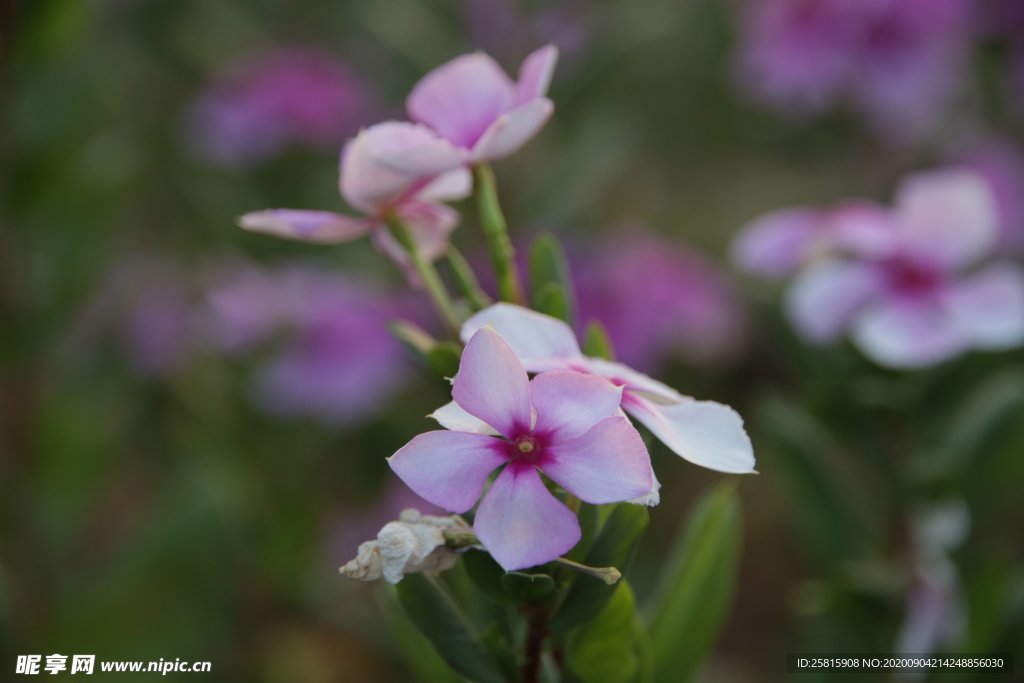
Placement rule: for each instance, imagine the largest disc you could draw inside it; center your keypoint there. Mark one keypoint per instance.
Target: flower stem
(467, 281)
(425, 269)
(610, 575)
(496, 231)
(536, 632)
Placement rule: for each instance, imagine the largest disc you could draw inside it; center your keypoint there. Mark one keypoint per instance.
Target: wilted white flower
(414, 543)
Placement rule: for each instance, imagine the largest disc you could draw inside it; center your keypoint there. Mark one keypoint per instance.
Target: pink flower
(375, 187)
(260, 105)
(899, 62)
(704, 432)
(471, 102)
(897, 282)
(564, 424)
(705, 324)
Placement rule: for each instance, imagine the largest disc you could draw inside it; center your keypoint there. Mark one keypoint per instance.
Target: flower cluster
(466, 111)
(523, 452)
(900, 281)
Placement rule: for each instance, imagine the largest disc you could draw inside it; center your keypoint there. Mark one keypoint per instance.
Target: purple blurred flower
(145, 306)
(899, 62)
(1002, 167)
(898, 281)
(507, 28)
(689, 307)
(335, 360)
(288, 95)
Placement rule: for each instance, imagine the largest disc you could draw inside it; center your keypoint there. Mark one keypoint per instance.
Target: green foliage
(597, 343)
(614, 546)
(690, 605)
(528, 587)
(440, 619)
(550, 281)
(606, 649)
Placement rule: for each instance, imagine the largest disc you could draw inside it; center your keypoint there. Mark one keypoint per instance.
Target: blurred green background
(156, 503)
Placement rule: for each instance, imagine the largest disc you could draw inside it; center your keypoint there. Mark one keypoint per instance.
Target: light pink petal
(706, 433)
(389, 161)
(512, 130)
(309, 226)
(905, 333)
(607, 464)
(570, 403)
(462, 98)
(521, 524)
(540, 341)
(823, 299)
(862, 228)
(989, 307)
(777, 243)
(449, 469)
(451, 416)
(447, 187)
(633, 381)
(535, 74)
(492, 384)
(948, 217)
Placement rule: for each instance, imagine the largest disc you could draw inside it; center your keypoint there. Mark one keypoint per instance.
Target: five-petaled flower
(431, 172)
(895, 278)
(473, 103)
(565, 424)
(706, 433)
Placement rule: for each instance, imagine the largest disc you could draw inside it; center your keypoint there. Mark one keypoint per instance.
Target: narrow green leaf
(419, 654)
(596, 342)
(465, 280)
(550, 281)
(605, 649)
(441, 621)
(696, 590)
(614, 547)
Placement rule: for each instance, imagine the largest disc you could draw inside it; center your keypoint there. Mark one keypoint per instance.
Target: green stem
(496, 231)
(467, 281)
(610, 575)
(431, 280)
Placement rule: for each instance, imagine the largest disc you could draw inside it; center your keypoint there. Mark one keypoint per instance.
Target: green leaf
(528, 587)
(486, 575)
(441, 621)
(550, 281)
(412, 337)
(614, 547)
(606, 648)
(420, 655)
(465, 280)
(696, 590)
(823, 502)
(596, 342)
(443, 358)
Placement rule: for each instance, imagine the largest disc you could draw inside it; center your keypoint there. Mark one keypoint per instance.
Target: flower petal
(607, 464)
(989, 307)
(512, 130)
(492, 384)
(389, 161)
(521, 524)
(706, 433)
(906, 333)
(449, 469)
(541, 342)
(451, 416)
(535, 74)
(633, 381)
(777, 243)
(947, 216)
(823, 299)
(447, 187)
(309, 226)
(570, 403)
(461, 98)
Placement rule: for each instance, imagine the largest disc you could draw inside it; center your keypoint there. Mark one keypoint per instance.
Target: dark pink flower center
(526, 449)
(912, 278)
